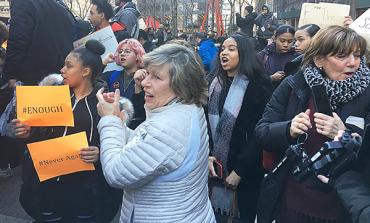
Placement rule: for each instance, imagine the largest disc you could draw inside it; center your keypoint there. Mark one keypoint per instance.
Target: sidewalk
(10, 208)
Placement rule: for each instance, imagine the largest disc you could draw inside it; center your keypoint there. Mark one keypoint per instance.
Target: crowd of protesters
(188, 128)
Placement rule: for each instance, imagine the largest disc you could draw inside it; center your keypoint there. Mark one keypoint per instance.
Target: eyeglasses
(125, 52)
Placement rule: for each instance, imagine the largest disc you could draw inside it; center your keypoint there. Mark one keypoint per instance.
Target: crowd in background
(187, 128)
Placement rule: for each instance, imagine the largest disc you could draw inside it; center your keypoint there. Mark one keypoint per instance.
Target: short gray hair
(187, 77)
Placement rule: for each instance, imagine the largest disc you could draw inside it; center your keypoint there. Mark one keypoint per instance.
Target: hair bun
(95, 47)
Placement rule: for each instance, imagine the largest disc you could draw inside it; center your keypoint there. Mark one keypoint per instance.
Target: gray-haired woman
(162, 165)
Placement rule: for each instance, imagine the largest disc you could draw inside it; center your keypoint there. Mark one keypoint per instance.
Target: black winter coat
(98, 195)
(245, 157)
(246, 24)
(354, 192)
(40, 37)
(353, 187)
(267, 24)
(289, 99)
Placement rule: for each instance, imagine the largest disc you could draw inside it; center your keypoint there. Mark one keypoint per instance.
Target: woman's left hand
(327, 125)
(139, 76)
(232, 180)
(89, 154)
(106, 107)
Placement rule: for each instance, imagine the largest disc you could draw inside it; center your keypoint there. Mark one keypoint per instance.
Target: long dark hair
(249, 65)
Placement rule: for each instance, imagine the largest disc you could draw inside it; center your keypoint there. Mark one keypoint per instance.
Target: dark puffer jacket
(267, 24)
(246, 24)
(274, 61)
(290, 98)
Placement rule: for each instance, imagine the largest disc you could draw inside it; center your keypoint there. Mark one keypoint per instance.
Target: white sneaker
(6, 172)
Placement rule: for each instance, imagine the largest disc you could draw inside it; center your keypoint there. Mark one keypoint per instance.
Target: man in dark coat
(267, 24)
(246, 24)
(40, 37)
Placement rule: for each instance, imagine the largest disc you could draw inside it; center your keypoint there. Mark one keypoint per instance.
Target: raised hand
(108, 108)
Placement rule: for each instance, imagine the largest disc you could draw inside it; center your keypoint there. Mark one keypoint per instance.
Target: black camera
(331, 160)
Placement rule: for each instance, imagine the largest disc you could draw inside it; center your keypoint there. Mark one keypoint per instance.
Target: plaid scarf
(223, 200)
(222, 126)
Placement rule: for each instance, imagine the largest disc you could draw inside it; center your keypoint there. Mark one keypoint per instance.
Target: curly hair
(135, 46)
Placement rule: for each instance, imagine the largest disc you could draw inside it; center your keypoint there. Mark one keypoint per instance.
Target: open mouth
(148, 95)
(224, 60)
(349, 74)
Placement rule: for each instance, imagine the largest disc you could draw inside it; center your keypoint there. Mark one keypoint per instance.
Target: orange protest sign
(44, 105)
(59, 156)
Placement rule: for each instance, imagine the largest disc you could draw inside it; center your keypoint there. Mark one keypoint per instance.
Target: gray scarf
(222, 126)
(223, 199)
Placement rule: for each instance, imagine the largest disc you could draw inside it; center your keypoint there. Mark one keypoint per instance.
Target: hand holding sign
(19, 129)
(44, 105)
(60, 156)
(89, 154)
(323, 14)
(106, 37)
(347, 21)
(362, 26)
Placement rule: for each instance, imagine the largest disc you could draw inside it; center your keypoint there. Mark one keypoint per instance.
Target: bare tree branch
(79, 8)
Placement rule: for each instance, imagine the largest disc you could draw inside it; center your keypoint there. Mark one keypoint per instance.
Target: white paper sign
(362, 26)
(106, 37)
(323, 14)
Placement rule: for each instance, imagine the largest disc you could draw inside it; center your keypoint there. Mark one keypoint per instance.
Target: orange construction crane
(214, 6)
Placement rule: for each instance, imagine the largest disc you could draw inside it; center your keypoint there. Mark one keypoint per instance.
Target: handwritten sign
(362, 26)
(59, 156)
(44, 105)
(323, 14)
(106, 37)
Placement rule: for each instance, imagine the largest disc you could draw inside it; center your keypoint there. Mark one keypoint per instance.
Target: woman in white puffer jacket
(162, 165)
